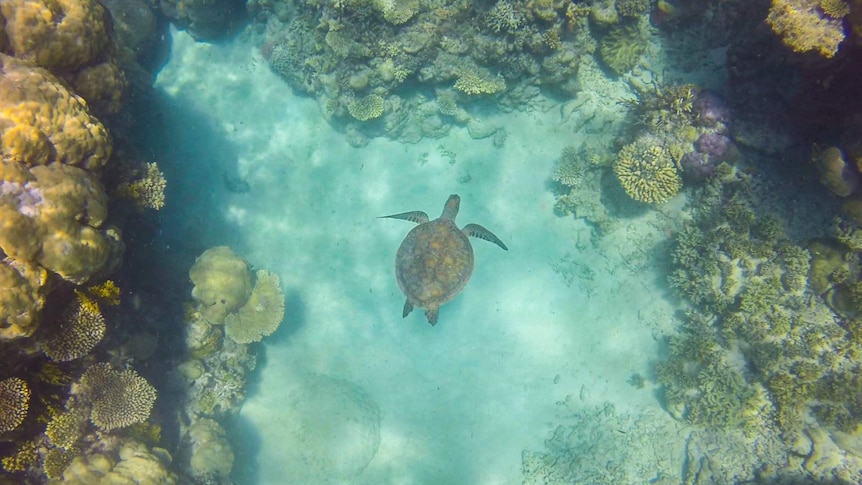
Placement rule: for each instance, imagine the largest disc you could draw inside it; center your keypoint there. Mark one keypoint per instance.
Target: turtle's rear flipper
(408, 307)
(476, 230)
(431, 313)
(418, 217)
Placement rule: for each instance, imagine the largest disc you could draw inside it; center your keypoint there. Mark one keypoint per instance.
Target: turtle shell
(434, 263)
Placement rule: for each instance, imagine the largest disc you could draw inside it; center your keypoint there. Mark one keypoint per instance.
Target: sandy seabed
(348, 391)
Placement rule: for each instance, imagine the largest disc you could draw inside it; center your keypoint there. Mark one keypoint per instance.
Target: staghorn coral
(118, 398)
(368, 108)
(106, 292)
(80, 329)
(222, 283)
(261, 315)
(646, 171)
(148, 191)
(505, 17)
(61, 35)
(41, 121)
(803, 28)
(66, 428)
(14, 403)
(479, 81)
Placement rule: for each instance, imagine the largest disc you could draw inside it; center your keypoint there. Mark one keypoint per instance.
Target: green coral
(622, 47)
(368, 108)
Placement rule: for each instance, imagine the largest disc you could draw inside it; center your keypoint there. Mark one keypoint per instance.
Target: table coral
(41, 121)
(222, 283)
(261, 315)
(803, 27)
(14, 403)
(367, 108)
(60, 35)
(646, 171)
(80, 329)
(118, 398)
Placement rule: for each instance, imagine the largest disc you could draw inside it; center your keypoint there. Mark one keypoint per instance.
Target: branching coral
(261, 315)
(14, 403)
(479, 81)
(80, 329)
(118, 398)
(646, 171)
(65, 429)
(148, 191)
(222, 283)
(803, 28)
(367, 108)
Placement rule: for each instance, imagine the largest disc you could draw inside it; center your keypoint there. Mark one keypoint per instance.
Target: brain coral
(118, 399)
(211, 452)
(42, 122)
(14, 403)
(261, 315)
(61, 35)
(646, 171)
(222, 283)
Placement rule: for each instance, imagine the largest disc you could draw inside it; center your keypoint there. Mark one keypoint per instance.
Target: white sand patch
(459, 401)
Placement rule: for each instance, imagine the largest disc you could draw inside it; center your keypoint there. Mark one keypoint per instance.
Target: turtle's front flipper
(408, 307)
(418, 217)
(431, 314)
(476, 230)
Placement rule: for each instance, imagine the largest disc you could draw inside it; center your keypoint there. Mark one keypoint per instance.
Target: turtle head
(450, 210)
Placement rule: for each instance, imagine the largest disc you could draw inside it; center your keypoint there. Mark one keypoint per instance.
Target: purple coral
(712, 111)
(696, 167)
(718, 148)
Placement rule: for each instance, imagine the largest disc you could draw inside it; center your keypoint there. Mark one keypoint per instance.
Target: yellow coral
(25, 456)
(20, 299)
(107, 292)
(261, 315)
(57, 34)
(222, 283)
(148, 192)
(118, 399)
(646, 172)
(41, 121)
(65, 429)
(367, 108)
(835, 8)
(476, 81)
(55, 462)
(803, 28)
(14, 403)
(101, 85)
(81, 328)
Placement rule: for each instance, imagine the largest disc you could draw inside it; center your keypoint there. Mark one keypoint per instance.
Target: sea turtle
(435, 260)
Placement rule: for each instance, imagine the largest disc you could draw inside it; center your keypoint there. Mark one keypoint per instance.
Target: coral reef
(222, 283)
(81, 327)
(804, 28)
(134, 462)
(262, 313)
(647, 172)
(118, 398)
(14, 403)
